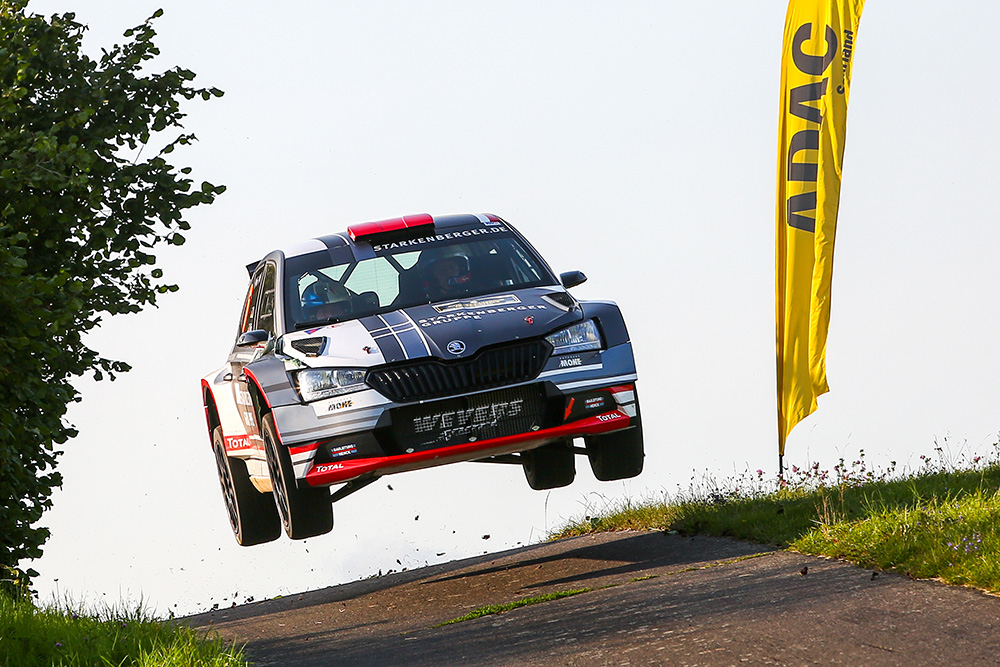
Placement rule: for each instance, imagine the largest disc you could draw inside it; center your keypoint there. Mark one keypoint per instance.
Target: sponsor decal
(569, 362)
(368, 349)
(327, 467)
(456, 347)
(236, 442)
(243, 397)
(437, 238)
(467, 422)
(458, 316)
(472, 304)
(594, 403)
(339, 405)
(610, 417)
(344, 450)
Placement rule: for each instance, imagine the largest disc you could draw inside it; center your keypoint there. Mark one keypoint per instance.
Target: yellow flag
(815, 85)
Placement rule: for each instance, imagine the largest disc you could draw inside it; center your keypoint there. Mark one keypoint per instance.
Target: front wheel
(549, 466)
(616, 455)
(252, 514)
(304, 512)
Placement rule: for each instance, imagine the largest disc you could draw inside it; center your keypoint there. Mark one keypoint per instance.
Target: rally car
(405, 344)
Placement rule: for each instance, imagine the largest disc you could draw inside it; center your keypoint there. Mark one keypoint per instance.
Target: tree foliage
(81, 212)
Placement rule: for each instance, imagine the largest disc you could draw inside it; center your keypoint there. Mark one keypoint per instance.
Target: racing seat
(364, 304)
(411, 287)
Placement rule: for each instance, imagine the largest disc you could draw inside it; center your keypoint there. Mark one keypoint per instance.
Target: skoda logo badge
(456, 347)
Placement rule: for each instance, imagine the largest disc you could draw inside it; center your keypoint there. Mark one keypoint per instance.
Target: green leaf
(81, 213)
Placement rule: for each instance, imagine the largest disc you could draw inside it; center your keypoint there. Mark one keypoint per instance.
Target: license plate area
(463, 419)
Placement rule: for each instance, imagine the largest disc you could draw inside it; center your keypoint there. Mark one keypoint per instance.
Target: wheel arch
(211, 409)
(261, 406)
(610, 319)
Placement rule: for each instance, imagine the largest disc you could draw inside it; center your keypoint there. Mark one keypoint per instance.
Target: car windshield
(334, 286)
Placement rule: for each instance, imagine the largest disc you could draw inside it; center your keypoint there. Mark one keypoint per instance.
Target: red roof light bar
(364, 229)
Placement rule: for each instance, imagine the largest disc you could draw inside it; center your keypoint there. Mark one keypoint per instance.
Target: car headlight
(577, 338)
(317, 383)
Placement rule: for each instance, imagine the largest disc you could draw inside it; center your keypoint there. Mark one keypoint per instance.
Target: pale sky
(635, 141)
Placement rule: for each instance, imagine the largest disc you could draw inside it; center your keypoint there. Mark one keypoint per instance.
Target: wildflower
(59, 644)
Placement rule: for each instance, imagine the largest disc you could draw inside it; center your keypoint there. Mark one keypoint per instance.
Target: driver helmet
(325, 300)
(450, 271)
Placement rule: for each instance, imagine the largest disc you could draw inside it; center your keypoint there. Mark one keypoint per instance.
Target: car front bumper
(592, 412)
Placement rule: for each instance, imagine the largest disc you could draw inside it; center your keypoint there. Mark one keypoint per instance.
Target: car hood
(452, 329)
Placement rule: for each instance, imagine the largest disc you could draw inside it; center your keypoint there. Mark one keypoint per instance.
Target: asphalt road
(653, 599)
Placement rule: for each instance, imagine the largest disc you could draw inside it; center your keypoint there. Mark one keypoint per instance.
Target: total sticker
(237, 442)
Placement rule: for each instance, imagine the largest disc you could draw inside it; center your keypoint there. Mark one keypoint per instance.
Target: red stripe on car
(342, 471)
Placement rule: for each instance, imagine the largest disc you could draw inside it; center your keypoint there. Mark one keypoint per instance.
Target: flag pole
(817, 50)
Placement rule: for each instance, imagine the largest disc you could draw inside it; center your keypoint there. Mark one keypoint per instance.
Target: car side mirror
(572, 278)
(255, 337)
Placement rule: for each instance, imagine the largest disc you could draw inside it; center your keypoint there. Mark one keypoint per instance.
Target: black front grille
(453, 421)
(433, 378)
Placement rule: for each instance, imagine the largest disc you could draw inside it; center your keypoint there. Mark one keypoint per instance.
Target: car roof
(340, 239)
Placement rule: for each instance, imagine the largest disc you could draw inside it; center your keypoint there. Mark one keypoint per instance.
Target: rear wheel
(550, 466)
(304, 512)
(252, 514)
(616, 455)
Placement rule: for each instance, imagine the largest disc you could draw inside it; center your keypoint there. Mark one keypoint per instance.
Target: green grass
(507, 606)
(938, 522)
(31, 636)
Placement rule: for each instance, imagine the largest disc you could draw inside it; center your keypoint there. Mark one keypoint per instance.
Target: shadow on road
(628, 555)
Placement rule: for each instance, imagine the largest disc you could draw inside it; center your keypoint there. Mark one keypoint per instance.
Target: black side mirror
(572, 278)
(255, 337)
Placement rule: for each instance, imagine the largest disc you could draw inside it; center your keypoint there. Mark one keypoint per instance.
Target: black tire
(550, 466)
(617, 455)
(304, 512)
(252, 514)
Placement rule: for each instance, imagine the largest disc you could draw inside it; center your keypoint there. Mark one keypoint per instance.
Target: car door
(257, 315)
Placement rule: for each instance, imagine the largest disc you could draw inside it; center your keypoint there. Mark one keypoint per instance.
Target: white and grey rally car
(405, 344)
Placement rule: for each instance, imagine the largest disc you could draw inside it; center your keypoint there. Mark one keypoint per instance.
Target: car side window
(265, 309)
(248, 318)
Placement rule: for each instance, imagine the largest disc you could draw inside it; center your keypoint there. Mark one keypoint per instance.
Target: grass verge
(937, 522)
(507, 606)
(31, 636)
